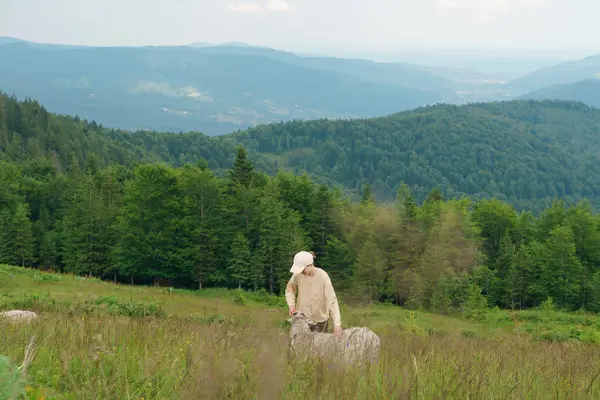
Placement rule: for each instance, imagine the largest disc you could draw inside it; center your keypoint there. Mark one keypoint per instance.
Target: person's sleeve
(334, 308)
(290, 291)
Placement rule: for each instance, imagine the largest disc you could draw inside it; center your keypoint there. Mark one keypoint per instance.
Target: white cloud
(489, 4)
(280, 5)
(534, 3)
(245, 8)
(476, 4)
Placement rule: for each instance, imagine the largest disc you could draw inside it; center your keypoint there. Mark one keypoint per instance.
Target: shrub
(43, 277)
(239, 299)
(548, 305)
(554, 336)
(130, 308)
(208, 319)
(475, 306)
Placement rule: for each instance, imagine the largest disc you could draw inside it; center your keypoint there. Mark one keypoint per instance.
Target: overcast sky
(310, 25)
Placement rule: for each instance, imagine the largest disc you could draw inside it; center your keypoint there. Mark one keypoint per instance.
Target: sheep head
(300, 323)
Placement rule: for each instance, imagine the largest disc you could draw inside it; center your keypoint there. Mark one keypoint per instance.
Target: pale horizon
(535, 28)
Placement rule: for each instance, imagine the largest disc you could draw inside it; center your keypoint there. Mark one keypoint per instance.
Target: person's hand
(337, 332)
(292, 310)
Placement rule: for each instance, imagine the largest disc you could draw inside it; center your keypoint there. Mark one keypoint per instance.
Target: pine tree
(586, 237)
(369, 269)
(240, 265)
(441, 299)
(5, 224)
(242, 171)
(47, 250)
(475, 305)
(593, 303)
(155, 241)
(435, 195)
(202, 201)
(337, 261)
(84, 247)
(562, 271)
(22, 245)
(279, 237)
(414, 288)
(367, 195)
(495, 220)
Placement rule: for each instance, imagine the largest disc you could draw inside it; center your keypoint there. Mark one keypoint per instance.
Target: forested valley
(196, 212)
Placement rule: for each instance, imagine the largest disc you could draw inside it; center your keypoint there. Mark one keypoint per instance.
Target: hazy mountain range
(586, 91)
(222, 88)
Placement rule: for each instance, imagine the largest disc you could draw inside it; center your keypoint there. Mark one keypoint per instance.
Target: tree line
(522, 152)
(193, 211)
(187, 227)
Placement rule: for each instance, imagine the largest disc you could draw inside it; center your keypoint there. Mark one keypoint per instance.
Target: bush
(208, 319)
(130, 308)
(44, 277)
(548, 305)
(26, 301)
(554, 336)
(475, 307)
(590, 336)
(239, 299)
(264, 297)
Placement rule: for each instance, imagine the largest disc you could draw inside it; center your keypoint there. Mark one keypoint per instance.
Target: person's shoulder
(322, 273)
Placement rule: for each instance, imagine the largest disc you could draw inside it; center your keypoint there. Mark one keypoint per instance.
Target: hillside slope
(561, 74)
(525, 152)
(214, 89)
(521, 151)
(586, 91)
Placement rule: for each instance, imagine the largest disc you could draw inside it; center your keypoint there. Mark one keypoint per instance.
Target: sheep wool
(18, 316)
(357, 345)
(316, 297)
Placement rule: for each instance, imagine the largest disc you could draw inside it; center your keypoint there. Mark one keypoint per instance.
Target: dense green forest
(522, 152)
(131, 207)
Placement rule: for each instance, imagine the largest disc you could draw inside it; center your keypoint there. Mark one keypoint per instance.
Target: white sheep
(18, 316)
(356, 344)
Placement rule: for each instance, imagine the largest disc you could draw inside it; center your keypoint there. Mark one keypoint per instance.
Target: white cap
(301, 261)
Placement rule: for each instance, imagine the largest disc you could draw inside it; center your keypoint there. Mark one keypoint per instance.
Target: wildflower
(28, 388)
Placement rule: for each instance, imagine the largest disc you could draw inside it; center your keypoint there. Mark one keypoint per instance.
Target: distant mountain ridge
(561, 74)
(213, 89)
(221, 88)
(586, 91)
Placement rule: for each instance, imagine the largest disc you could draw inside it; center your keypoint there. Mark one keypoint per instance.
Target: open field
(96, 340)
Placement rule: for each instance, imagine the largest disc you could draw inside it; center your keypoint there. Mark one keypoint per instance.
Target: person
(316, 296)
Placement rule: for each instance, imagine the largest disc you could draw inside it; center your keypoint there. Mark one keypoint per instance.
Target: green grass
(96, 340)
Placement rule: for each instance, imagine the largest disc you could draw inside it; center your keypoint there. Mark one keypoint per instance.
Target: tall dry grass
(96, 356)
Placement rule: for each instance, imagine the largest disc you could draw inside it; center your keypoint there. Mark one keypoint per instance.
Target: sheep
(355, 345)
(18, 316)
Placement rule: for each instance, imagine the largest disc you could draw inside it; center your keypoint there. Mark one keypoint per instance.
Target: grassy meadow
(97, 340)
